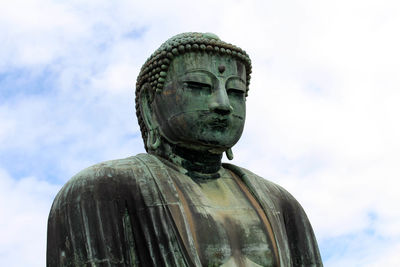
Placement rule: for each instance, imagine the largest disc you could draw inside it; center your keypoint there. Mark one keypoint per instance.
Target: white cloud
(24, 207)
(390, 257)
(325, 86)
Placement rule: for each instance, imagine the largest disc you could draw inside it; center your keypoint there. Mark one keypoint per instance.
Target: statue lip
(218, 122)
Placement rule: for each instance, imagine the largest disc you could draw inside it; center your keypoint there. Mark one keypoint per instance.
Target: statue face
(202, 105)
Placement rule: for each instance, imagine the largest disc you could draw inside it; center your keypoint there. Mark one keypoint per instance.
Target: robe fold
(127, 212)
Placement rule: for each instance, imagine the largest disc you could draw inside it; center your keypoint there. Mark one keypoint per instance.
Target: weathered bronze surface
(178, 205)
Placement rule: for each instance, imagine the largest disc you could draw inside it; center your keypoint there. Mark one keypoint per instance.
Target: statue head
(191, 93)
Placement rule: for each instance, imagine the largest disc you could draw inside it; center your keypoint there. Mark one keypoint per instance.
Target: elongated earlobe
(153, 139)
(229, 154)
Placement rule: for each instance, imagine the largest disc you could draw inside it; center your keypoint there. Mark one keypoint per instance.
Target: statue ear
(146, 97)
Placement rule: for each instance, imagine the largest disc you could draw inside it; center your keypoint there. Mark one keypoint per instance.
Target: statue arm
(302, 242)
(89, 224)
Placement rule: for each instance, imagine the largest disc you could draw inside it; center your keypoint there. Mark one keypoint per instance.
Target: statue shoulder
(279, 195)
(253, 180)
(103, 180)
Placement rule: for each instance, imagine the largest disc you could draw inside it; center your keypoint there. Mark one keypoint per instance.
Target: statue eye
(236, 92)
(197, 86)
(236, 87)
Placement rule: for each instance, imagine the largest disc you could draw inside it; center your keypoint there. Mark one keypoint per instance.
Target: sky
(322, 111)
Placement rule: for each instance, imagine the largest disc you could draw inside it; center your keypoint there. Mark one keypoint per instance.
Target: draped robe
(127, 212)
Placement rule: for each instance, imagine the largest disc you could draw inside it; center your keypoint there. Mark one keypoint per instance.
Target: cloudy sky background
(322, 121)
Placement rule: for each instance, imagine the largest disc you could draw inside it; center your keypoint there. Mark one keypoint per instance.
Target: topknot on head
(189, 35)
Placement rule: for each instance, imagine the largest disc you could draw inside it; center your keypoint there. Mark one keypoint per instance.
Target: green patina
(200, 111)
(179, 205)
(154, 72)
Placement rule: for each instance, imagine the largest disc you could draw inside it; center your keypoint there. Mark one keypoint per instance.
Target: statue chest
(225, 223)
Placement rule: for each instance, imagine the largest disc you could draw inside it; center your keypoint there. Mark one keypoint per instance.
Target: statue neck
(197, 164)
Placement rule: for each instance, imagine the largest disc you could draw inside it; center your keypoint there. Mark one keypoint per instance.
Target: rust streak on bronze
(188, 215)
(259, 211)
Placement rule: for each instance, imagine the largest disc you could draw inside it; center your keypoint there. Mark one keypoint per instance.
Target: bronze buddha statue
(178, 205)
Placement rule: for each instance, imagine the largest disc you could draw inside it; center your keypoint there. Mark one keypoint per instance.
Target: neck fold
(197, 164)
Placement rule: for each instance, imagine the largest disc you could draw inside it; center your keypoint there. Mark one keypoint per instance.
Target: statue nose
(220, 102)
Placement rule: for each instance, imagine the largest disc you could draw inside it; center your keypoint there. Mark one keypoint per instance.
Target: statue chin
(202, 137)
(202, 133)
(212, 146)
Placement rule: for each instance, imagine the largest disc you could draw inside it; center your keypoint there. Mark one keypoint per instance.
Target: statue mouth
(205, 121)
(218, 123)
